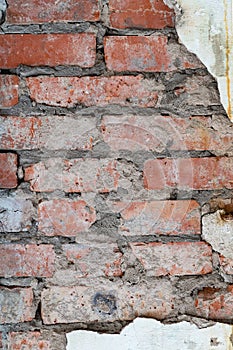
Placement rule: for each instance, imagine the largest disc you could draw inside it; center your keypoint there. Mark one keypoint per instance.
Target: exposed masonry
(205, 28)
(113, 169)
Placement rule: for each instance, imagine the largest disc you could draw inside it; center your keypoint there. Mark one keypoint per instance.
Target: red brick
(52, 132)
(215, 303)
(35, 11)
(145, 54)
(47, 49)
(150, 14)
(95, 260)
(61, 217)
(16, 305)
(159, 217)
(175, 259)
(93, 91)
(17, 260)
(27, 341)
(158, 133)
(191, 173)
(9, 86)
(8, 170)
(107, 302)
(76, 175)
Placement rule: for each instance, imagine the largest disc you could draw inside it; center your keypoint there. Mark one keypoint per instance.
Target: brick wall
(114, 144)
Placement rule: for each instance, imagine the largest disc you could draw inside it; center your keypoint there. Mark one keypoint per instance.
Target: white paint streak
(148, 334)
(205, 28)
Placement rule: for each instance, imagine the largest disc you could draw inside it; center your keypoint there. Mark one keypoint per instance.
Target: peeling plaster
(205, 27)
(149, 334)
(218, 233)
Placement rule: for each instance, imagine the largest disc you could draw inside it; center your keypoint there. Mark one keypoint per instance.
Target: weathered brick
(215, 303)
(17, 260)
(36, 340)
(62, 217)
(107, 302)
(226, 265)
(94, 91)
(191, 173)
(50, 132)
(76, 175)
(26, 341)
(16, 305)
(145, 54)
(158, 133)
(175, 259)
(158, 217)
(95, 260)
(9, 94)
(16, 213)
(47, 49)
(35, 11)
(140, 14)
(8, 170)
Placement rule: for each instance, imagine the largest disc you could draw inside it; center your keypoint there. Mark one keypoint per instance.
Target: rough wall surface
(115, 167)
(205, 28)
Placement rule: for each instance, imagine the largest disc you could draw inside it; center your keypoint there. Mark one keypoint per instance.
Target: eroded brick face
(26, 12)
(113, 148)
(8, 170)
(30, 260)
(9, 86)
(140, 14)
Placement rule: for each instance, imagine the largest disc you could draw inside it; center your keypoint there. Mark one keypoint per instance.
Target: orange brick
(17, 260)
(9, 86)
(175, 259)
(158, 217)
(37, 11)
(61, 217)
(191, 173)
(150, 14)
(145, 54)
(47, 49)
(8, 170)
(93, 91)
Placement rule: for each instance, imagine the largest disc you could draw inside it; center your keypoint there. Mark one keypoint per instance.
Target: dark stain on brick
(104, 304)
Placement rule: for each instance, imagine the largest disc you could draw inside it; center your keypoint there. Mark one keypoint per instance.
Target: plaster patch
(206, 29)
(218, 232)
(149, 334)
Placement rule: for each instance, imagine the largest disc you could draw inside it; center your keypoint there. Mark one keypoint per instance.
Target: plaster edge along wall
(206, 29)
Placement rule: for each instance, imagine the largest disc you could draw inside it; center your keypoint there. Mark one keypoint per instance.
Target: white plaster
(149, 334)
(218, 232)
(205, 27)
